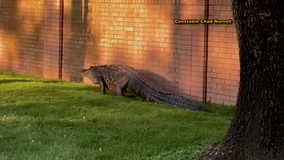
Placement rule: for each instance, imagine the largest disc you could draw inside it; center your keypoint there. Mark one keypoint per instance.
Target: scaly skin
(122, 78)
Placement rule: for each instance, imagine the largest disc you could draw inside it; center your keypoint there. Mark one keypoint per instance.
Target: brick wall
(139, 33)
(223, 58)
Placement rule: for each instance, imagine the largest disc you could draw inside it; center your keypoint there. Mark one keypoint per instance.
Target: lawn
(52, 120)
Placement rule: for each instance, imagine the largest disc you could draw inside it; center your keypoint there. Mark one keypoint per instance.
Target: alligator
(120, 78)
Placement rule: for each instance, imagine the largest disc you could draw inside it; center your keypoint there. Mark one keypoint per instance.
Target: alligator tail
(178, 101)
(154, 94)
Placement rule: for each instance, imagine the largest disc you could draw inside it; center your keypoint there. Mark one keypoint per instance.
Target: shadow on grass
(2, 81)
(16, 80)
(24, 80)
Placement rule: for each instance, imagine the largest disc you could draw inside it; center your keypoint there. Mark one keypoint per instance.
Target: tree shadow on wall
(22, 25)
(156, 55)
(10, 24)
(75, 46)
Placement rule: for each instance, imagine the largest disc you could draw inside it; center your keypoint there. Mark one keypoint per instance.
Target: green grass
(52, 120)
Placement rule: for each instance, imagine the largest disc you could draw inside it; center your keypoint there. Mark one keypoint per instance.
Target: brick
(183, 47)
(234, 78)
(164, 35)
(231, 61)
(218, 81)
(235, 46)
(231, 39)
(218, 70)
(232, 83)
(232, 51)
(223, 97)
(230, 29)
(220, 51)
(219, 28)
(197, 68)
(184, 41)
(185, 12)
(224, 55)
(142, 43)
(165, 45)
(196, 63)
(234, 89)
(184, 37)
(199, 34)
(230, 94)
(197, 3)
(219, 39)
(217, 91)
(118, 28)
(223, 76)
(198, 8)
(226, 13)
(226, 34)
(198, 43)
(220, 8)
(219, 2)
(212, 75)
(160, 30)
(213, 45)
(225, 45)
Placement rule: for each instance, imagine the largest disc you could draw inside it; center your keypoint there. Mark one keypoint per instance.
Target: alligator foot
(119, 92)
(102, 85)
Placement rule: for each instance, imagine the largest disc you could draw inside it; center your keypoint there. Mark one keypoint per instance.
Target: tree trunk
(257, 130)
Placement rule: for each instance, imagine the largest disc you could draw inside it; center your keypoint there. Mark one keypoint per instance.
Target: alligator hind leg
(121, 85)
(119, 91)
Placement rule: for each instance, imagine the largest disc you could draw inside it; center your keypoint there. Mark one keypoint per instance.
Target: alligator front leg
(102, 85)
(99, 80)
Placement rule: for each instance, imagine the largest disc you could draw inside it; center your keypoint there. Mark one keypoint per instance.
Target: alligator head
(86, 72)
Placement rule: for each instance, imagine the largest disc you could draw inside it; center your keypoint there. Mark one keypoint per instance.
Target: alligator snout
(83, 70)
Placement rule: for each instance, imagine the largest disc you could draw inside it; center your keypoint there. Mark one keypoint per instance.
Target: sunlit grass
(44, 120)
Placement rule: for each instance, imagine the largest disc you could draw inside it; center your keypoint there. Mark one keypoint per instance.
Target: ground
(43, 120)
